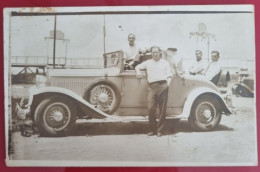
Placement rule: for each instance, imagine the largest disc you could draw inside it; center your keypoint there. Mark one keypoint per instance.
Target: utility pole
(54, 41)
(56, 35)
(104, 34)
(202, 32)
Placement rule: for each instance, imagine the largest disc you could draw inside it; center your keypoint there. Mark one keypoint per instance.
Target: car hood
(199, 81)
(84, 72)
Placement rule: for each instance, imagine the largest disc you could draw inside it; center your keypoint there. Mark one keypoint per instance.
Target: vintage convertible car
(112, 92)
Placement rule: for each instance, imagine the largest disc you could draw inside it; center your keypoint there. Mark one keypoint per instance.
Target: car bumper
(229, 102)
(23, 108)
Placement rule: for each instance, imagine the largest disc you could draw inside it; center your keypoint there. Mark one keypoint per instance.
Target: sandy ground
(232, 142)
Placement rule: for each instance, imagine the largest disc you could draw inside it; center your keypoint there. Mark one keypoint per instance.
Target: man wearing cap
(159, 77)
(198, 65)
(131, 55)
(213, 67)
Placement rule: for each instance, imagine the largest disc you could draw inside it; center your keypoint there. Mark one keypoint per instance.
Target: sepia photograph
(130, 86)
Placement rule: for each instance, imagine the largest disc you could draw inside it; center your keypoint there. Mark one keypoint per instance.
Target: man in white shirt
(213, 67)
(131, 55)
(159, 77)
(198, 66)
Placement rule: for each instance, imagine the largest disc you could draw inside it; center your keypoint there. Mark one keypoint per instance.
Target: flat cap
(172, 49)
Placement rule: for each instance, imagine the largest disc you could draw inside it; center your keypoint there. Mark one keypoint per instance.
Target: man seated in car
(132, 53)
(213, 67)
(197, 66)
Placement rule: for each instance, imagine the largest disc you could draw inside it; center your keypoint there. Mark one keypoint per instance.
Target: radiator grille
(77, 85)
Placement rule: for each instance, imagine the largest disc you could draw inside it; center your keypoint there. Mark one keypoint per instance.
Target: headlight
(228, 98)
(41, 81)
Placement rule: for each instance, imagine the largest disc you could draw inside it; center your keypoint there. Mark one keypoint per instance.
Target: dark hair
(155, 47)
(198, 51)
(215, 52)
(172, 49)
(131, 34)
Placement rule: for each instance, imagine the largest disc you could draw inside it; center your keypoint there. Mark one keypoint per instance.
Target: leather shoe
(151, 134)
(159, 134)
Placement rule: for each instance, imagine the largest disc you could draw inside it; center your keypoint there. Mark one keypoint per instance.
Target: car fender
(245, 86)
(63, 91)
(194, 94)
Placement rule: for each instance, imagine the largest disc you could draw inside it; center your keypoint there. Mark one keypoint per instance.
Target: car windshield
(113, 59)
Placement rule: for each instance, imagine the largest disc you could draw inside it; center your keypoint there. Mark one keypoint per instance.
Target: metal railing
(81, 61)
(31, 61)
(28, 60)
(59, 61)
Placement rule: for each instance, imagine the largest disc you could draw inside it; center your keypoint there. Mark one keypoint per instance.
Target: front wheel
(55, 116)
(205, 114)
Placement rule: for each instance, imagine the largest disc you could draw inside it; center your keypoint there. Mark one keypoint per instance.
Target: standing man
(213, 67)
(197, 66)
(159, 77)
(132, 55)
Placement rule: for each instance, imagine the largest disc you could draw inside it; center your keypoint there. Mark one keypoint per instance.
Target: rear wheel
(55, 116)
(205, 114)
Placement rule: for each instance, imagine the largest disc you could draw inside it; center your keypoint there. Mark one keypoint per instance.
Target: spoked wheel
(104, 95)
(55, 116)
(205, 114)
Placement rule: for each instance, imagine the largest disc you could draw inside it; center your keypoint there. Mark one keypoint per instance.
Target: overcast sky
(234, 34)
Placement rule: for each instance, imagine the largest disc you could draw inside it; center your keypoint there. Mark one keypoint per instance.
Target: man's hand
(181, 76)
(27, 106)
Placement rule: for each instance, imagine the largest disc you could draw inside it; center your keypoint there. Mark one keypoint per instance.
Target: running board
(115, 118)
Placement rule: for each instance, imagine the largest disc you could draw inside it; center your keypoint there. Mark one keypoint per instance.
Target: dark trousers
(157, 95)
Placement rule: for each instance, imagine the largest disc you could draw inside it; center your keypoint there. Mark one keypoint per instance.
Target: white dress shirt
(156, 70)
(131, 52)
(197, 67)
(212, 70)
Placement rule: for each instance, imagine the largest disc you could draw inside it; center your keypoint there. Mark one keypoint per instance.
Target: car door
(178, 92)
(134, 94)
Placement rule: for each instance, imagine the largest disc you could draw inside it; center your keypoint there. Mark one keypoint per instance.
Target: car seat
(215, 80)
